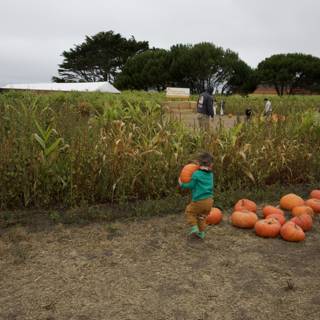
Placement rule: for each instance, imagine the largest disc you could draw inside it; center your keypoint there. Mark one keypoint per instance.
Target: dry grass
(147, 270)
(17, 234)
(3, 248)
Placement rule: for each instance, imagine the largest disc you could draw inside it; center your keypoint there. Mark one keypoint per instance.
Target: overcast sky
(33, 33)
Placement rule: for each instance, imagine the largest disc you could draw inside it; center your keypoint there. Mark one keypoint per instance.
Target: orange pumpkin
(245, 204)
(267, 228)
(298, 211)
(267, 210)
(214, 217)
(291, 200)
(314, 204)
(304, 221)
(244, 219)
(290, 231)
(187, 171)
(315, 194)
(278, 216)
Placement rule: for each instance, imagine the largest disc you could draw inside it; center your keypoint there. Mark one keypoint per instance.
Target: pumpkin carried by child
(187, 171)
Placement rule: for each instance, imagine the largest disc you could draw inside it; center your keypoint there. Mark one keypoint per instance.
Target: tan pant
(197, 212)
(204, 121)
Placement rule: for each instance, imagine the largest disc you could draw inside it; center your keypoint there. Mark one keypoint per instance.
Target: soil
(148, 269)
(190, 119)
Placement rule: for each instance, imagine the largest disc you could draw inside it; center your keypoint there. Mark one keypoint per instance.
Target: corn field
(68, 149)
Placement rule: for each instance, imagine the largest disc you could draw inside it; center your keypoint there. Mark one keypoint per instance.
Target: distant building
(267, 89)
(64, 87)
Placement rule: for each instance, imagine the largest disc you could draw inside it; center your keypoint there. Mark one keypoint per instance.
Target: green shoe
(201, 234)
(194, 229)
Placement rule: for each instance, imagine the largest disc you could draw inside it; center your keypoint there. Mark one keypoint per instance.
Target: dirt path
(185, 111)
(191, 120)
(147, 270)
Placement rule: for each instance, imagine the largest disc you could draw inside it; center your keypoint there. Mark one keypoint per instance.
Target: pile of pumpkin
(274, 222)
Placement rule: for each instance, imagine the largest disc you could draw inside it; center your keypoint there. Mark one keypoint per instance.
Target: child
(201, 185)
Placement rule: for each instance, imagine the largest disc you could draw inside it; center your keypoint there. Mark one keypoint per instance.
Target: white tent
(81, 86)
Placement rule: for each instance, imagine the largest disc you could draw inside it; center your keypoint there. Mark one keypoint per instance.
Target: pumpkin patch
(274, 222)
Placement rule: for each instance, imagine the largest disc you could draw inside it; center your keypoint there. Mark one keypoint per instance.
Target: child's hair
(205, 159)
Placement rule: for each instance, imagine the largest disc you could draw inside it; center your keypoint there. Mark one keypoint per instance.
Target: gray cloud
(33, 33)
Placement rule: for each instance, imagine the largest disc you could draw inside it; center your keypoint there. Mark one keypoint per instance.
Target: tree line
(132, 64)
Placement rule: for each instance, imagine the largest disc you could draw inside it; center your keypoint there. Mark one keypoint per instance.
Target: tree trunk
(282, 87)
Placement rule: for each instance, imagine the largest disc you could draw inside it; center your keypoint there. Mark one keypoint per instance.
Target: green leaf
(53, 147)
(40, 141)
(42, 133)
(249, 175)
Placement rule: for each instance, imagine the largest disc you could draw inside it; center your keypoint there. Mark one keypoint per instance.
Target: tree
(203, 64)
(98, 58)
(192, 66)
(236, 75)
(195, 66)
(146, 70)
(287, 72)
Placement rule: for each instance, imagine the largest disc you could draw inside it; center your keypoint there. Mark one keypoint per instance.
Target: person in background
(222, 106)
(205, 108)
(267, 108)
(214, 108)
(201, 186)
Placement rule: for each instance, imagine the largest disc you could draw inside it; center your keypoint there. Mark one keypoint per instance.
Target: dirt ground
(190, 119)
(185, 111)
(148, 270)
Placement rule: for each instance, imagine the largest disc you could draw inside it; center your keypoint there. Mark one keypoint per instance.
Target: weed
(113, 231)
(55, 216)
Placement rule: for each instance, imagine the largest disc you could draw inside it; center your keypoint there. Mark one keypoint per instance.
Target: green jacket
(201, 185)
